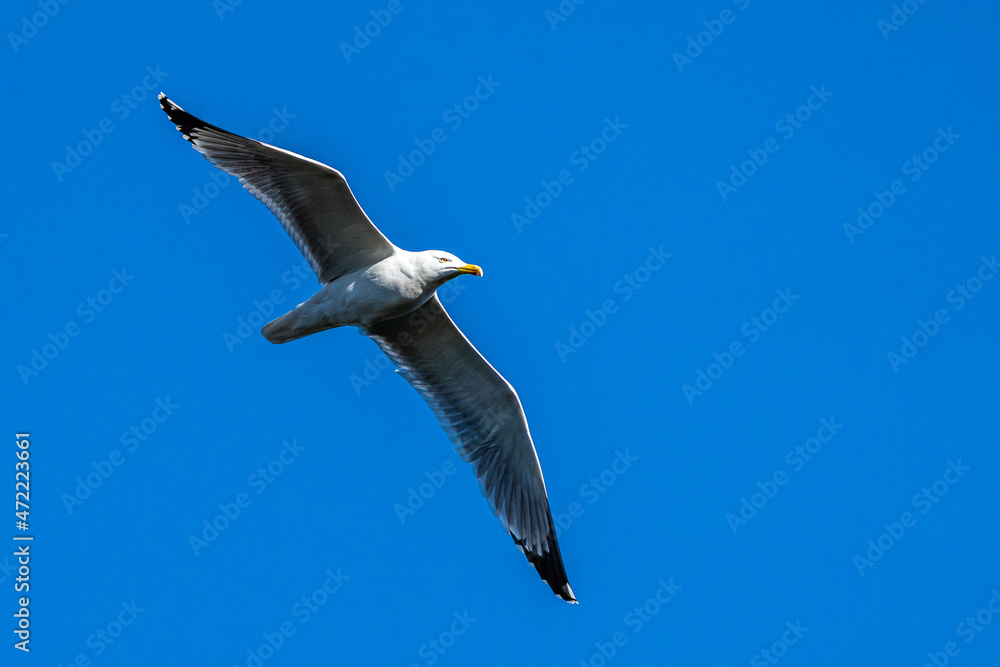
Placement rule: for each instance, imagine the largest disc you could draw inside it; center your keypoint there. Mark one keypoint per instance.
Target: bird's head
(444, 266)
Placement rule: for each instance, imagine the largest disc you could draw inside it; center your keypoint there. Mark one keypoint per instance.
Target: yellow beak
(470, 268)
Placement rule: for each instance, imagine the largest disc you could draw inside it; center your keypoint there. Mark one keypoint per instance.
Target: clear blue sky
(739, 263)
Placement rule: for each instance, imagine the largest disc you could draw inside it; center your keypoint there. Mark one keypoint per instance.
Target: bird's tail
(281, 330)
(287, 328)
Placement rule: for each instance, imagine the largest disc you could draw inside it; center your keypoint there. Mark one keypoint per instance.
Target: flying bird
(389, 294)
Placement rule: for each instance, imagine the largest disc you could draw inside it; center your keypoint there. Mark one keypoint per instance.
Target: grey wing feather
(482, 415)
(311, 200)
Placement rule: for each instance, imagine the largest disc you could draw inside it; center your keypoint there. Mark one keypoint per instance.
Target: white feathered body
(395, 286)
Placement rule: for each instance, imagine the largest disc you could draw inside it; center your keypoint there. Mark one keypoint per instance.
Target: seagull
(390, 295)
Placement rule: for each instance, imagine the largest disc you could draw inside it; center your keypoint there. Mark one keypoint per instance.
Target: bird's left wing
(482, 415)
(311, 200)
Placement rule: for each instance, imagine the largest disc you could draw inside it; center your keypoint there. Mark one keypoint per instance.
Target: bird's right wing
(482, 416)
(311, 200)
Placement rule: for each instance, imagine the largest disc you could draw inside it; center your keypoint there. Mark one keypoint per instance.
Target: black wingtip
(167, 104)
(550, 568)
(185, 122)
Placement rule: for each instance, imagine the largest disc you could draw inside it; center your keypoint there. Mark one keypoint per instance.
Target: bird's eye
(443, 259)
